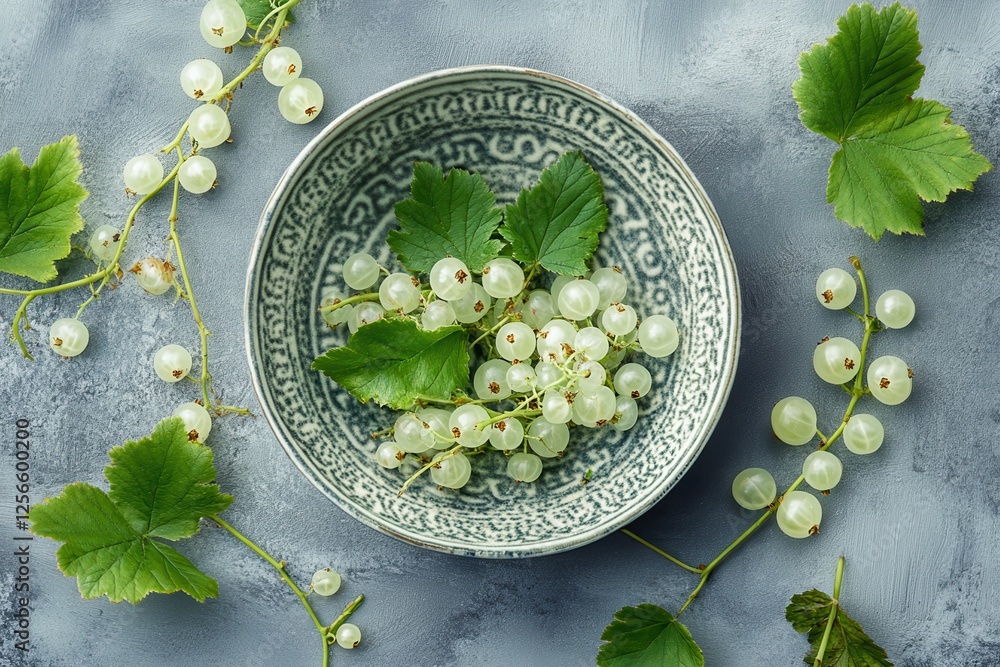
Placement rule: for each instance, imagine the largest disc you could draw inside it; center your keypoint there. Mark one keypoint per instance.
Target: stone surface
(918, 521)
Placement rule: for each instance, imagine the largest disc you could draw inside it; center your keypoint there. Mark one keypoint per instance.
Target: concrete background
(918, 521)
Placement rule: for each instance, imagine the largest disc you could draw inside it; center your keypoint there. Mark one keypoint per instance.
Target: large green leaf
(160, 486)
(446, 216)
(393, 361)
(557, 221)
(895, 150)
(648, 636)
(848, 644)
(39, 209)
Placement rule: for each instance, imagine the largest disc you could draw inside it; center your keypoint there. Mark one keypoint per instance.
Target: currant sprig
(842, 363)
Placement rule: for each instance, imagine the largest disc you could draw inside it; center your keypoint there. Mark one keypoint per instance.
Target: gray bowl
(507, 124)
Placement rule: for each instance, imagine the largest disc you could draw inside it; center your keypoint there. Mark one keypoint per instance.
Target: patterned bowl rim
(554, 545)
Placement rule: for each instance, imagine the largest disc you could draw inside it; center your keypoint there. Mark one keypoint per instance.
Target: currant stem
(357, 298)
(837, 580)
(280, 567)
(663, 553)
(433, 462)
(331, 630)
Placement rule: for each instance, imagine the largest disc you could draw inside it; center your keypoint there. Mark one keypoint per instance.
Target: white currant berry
(197, 421)
(68, 337)
(365, 313)
(503, 278)
(104, 243)
(142, 174)
(398, 292)
(201, 79)
(282, 65)
(172, 363)
(515, 340)
(209, 125)
(592, 343)
(325, 582)
(619, 319)
(557, 285)
(450, 279)
(547, 375)
(465, 424)
(524, 467)
(547, 439)
(793, 420)
(360, 271)
(557, 406)
(890, 380)
(799, 514)
(626, 413)
(578, 299)
(658, 336)
(836, 289)
(154, 275)
(595, 408)
(223, 23)
(836, 360)
(490, 380)
(507, 434)
(338, 315)
(473, 306)
(538, 309)
(633, 380)
(554, 341)
(822, 470)
(521, 377)
(197, 174)
(754, 489)
(410, 434)
(389, 455)
(348, 634)
(437, 314)
(452, 471)
(611, 285)
(863, 434)
(300, 101)
(895, 309)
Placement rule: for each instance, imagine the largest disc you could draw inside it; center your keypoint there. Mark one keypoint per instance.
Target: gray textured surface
(918, 521)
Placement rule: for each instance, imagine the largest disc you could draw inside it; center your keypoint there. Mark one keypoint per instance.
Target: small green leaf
(895, 150)
(39, 209)
(848, 645)
(648, 636)
(160, 486)
(446, 216)
(257, 10)
(392, 361)
(556, 222)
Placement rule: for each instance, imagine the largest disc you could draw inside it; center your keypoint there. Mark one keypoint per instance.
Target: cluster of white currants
(555, 356)
(326, 582)
(223, 24)
(793, 419)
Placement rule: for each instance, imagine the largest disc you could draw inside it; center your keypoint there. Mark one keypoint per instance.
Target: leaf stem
(357, 298)
(663, 553)
(433, 462)
(837, 580)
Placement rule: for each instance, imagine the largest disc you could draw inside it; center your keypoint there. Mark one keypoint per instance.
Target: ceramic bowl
(507, 124)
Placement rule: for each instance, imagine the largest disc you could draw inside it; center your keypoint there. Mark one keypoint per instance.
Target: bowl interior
(507, 125)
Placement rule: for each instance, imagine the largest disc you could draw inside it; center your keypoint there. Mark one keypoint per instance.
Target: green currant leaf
(556, 222)
(160, 486)
(848, 645)
(392, 361)
(648, 636)
(257, 11)
(39, 209)
(894, 150)
(446, 216)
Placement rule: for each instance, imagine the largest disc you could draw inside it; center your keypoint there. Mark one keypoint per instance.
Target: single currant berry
(658, 336)
(452, 471)
(521, 377)
(349, 635)
(282, 65)
(626, 413)
(154, 275)
(388, 455)
(468, 425)
(890, 380)
(547, 439)
(300, 101)
(578, 299)
(793, 420)
(197, 421)
(619, 319)
(515, 340)
(142, 174)
(365, 313)
(473, 306)
(209, 125)
(754, 489)
(223, 23)
(611, 285)
(490, 380)
(450, 279)
(360, 271)
(325, 582)
(524, 467)
(398, 292)
(201, 79)
(836, 289)
(895, 309)
(104, 243)
(68, 337)
(799, 514)
(633, 380)
(863, 434)
(172, 363)
(197, 174)
(507, 434)
(503, 278)
(822, 470)
(437, 314)
(836, 360)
